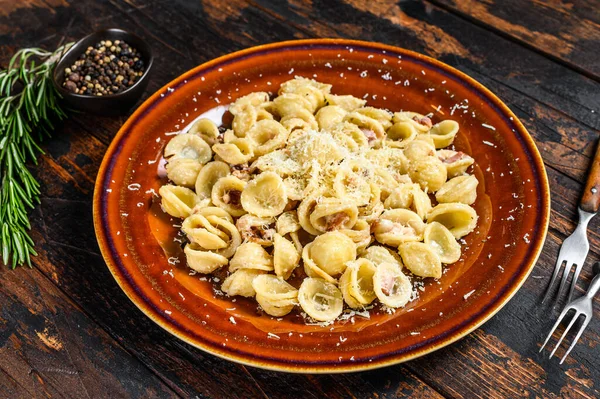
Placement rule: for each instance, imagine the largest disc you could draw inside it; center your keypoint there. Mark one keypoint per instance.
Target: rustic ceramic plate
(513, 204)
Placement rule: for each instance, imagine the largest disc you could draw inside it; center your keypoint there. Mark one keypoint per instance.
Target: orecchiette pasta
(265, 195)
(348, 103)
(456, 163)
(391, 286)
(274, 295)
(397, 226)
(438, 237)
(327, 255)
(206, 129)
(421, 259)
(320, 299)
(208, 176)
(236, 151)
(443, 133)
(251, 255)
(256, 229)
(285, 256)
(458, 189)
(379, 254)
(314, 201)
(188, 146)
(227, 192)
(183, 171)
(203, 261)
(177, 201)
(356, 283)
(460, 219)
(240, 282)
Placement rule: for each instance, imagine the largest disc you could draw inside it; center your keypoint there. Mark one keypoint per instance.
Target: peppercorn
(103, 69)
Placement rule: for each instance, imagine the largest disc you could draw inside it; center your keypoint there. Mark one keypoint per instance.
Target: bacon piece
(456, 157)
(335, 221)
(425, 121)
(232, 197)
(369, 134)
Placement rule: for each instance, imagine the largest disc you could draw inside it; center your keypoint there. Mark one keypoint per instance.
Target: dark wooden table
(67, 330)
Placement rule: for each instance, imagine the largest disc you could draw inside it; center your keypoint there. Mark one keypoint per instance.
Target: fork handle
(590, 202)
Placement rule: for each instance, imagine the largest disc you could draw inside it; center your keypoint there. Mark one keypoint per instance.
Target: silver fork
(581, 306)
(575, 248)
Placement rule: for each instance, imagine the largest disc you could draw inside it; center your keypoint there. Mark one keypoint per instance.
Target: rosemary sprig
(28, 105)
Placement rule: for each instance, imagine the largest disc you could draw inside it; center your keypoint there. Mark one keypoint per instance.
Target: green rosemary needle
(28, 105)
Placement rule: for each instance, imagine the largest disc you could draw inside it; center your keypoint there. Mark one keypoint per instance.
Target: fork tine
(574, 281)
(564, 334)
(583, 326)
(560, 318)
(563, 281)
(559, 263)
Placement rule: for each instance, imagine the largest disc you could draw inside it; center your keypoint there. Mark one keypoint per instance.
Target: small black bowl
(114, 104)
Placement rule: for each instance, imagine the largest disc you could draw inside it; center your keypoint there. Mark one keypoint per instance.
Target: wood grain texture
(555, 100)
(49, 347)
(562, 30)
(590, 201)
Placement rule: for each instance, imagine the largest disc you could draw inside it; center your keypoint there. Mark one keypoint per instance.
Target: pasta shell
(360, 234)
(294, 124)
(443, 133)
(215, 211)
(288, 103)
(235, 152)
(177, 201)
(420, 259)
(421, 122)
(252, 100)
(251, 256)
(346, 102)
(327, 255)
(320, 300)
(240, 282)
(416, 150)
(402, 133)
(356, 283)
(456, 163)
(374, 208)
(188, 146)
(378, 255)
(429, 172)
(199, 230)
(459, 189)
(380, 115)
(349, 182)
(208, 176)
(285, 257)
(204, 262)
(438, 237)
(226, 193)
(244, 120)
(274, 295)
(409, 196)
(265, 195)
(256, 229)
(391, 286)
(329, 116)
(460, 219)
(396, 226)
(206, 129)
(292, 85)
(287, 223)
(367, 123)
(267, 136)
(333, 214)
(183, 171)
